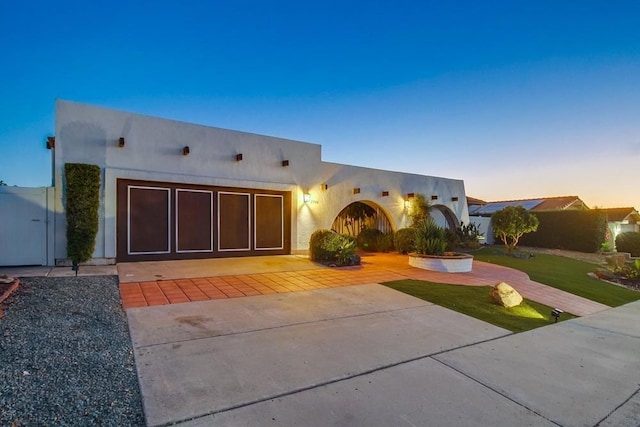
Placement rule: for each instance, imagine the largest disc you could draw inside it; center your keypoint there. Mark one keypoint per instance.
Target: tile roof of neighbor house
(621, 214)
(541, 204)
(560, 203)
(474, 201)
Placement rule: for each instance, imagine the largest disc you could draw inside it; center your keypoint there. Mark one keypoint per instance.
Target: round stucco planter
(452, 262)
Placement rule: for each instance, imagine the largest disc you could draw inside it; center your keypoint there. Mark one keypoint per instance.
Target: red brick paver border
(376, 268)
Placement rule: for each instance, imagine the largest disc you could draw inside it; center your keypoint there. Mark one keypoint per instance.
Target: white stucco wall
(153, 151)
(484, 226)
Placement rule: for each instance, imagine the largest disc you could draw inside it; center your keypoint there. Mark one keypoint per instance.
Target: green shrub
(453, 240)
(430, 239)
(403, 240)
(82, 202)
(331, 247)
(629, 241)
(317, 250)
(368, 239)
(384, 242)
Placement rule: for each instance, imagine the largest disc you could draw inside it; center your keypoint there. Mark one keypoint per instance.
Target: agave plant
(429, 238)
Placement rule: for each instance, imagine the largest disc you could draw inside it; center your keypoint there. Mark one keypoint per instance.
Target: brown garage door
(162, 221)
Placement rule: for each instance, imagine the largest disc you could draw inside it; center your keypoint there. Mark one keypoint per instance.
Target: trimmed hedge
(629, 241)
(82, 202)
(582, 231)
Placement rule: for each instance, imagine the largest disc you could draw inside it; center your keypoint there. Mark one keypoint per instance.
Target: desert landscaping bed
(66, 356)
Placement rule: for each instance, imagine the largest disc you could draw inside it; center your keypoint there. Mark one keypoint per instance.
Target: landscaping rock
(6, 279)
(505, 295)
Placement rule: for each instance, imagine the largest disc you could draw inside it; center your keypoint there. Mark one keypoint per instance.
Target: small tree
(357, 211)
(511, 223)
(420, 210)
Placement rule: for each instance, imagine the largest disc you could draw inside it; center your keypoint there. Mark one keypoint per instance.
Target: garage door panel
(194, 221)
(269, 222)
(234, 221)
(149, 215)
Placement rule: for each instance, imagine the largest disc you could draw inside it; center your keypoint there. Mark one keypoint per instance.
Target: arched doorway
(444, 217)
(360, 215)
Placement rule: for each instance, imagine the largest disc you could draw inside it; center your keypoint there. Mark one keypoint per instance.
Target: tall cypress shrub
(82, 202)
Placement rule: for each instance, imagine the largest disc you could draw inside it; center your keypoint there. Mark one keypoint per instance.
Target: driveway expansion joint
(495, 390)
(636, 393)
(346, 378)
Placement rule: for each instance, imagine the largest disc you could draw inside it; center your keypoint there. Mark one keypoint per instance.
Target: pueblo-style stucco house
(172, 190)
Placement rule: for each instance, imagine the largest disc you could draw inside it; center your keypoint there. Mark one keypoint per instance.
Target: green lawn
(562, 273)
(474, 301)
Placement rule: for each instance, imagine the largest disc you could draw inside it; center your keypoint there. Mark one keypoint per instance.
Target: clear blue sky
(520, 99)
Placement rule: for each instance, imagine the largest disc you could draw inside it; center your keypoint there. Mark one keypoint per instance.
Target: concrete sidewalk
(367, 355)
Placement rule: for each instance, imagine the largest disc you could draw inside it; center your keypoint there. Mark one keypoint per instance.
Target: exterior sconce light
(324, 187)
(51, 142)
(306, 197)
(185, 150)
(434, 197)
(407, 204)
(239, 157)
(454, 199)
(356, 190)
(556, 312)
(285, 163)
(385, 193)
(121, 142)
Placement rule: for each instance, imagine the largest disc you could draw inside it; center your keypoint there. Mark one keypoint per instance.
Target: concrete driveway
(368, 355)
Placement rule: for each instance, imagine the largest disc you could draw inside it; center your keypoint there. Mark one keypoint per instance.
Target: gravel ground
(66, 356)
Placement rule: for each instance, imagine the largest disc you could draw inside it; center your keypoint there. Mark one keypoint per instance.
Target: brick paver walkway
(376, 268)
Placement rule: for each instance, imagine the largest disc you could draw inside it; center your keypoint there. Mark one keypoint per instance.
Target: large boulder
(505, 295)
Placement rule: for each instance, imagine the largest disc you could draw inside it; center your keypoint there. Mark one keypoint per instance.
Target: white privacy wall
(153, 151)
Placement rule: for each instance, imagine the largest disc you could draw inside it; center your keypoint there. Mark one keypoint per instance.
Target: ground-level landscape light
(556, 312)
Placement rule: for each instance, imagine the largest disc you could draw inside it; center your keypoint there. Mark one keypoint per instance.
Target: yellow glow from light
(528, 312)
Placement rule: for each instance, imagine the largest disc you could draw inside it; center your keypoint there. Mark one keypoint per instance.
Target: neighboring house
(480, 211)
(173, 190)
(620, 220)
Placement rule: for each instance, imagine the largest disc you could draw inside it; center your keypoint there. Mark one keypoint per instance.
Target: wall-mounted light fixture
(306, 197)
(454, 199)
(185, 150)
(385, 193)
(407, 204)
(121, 142)
(239, 157)
(324, 187)
(285, 163)
(356, 190)
(434, 197)
(51, 142)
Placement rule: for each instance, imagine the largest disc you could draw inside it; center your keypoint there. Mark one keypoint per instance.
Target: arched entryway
(444, 217)
(360, 215)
